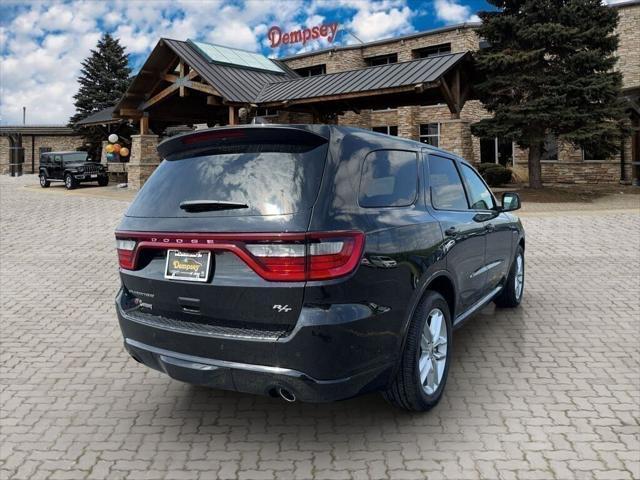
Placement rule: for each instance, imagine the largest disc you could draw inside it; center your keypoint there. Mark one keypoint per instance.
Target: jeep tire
(44, 183)
(69, 182)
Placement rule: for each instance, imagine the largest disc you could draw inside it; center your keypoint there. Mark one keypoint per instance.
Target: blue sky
(42, 43)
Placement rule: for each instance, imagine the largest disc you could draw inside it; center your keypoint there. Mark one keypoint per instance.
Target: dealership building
(417, 86)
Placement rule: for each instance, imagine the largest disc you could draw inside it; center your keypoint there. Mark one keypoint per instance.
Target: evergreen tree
(549, 70)
(103, 80)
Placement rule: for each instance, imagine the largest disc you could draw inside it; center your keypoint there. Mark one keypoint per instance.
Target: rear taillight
(126, 252)
(331, 257)
(276, 257)
(321, 256)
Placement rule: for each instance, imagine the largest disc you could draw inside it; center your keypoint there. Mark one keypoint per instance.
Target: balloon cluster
(114, 148)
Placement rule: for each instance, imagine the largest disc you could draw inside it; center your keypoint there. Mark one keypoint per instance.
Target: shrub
(494, 174)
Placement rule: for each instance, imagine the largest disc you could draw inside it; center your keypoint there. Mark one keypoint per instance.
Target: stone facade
(144, 159)
(461, 38)
(629, 47)
(32, 145)
(4, 155)
(455, 134)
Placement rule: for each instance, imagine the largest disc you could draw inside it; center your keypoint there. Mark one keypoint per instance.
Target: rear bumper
(304, 362)
(247, 378)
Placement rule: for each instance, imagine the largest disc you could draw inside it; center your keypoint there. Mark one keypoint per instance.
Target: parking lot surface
(549, 390)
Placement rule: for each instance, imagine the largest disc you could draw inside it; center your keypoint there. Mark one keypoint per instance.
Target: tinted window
(75, 157)
(269, 179)
(479, 195)
(389, 179)
(447, 192)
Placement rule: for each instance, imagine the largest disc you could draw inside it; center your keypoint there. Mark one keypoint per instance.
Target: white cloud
(452, 12)
(370, 25)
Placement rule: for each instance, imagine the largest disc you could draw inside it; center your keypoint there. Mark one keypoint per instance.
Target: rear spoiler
(202, 140)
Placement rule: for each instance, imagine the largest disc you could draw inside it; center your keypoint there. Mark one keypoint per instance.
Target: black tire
(103, 181)
(69, 182)
(44, 183)
(406, 390)
(511, 296)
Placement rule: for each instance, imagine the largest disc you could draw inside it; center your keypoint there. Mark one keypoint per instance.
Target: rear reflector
(286, 257)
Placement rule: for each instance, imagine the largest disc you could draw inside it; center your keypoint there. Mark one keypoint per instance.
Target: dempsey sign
(277, 37)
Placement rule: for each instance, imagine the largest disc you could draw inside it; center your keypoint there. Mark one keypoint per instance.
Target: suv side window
(447, 192)
(57, 159)
(389, 179)
(479, 195)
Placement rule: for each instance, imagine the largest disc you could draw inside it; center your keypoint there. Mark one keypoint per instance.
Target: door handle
(451, 232)
(489, 227)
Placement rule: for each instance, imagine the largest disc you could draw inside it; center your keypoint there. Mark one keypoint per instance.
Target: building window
(496, 150)
(549, 149)
(382, 59)
(430, 134)
(389, 179)
(388, 129)
(593, 155)
(432, 51)
(266, 112)
(311, 71)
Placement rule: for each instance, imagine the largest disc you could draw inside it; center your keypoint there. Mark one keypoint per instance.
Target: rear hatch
(218, 234)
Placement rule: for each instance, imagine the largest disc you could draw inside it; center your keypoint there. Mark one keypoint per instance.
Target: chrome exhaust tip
(286, 395)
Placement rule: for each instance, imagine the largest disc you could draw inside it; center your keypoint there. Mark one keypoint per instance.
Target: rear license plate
(94, 175)
(189, 266)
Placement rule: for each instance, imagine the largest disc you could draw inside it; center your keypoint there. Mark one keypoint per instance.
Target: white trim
(420, 136)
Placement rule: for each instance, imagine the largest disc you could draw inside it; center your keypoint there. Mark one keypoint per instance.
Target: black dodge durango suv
(312, 262)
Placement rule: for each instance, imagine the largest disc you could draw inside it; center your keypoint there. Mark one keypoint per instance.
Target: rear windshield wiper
(210, 205)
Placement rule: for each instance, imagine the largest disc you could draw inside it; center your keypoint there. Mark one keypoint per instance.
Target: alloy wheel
(519, 278)
(433, 351)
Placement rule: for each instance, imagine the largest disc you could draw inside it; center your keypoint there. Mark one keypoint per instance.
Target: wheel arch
(439, 281)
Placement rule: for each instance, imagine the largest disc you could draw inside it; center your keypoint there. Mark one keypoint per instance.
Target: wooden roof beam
(159, 96)
(449, 98)
(130, 113)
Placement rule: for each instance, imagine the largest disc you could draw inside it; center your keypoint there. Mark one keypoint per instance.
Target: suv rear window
(274, 179)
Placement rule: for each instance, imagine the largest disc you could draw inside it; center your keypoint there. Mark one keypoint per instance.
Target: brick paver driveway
(550, 390)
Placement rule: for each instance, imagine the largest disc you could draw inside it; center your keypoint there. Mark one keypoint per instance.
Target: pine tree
(103, 80)
(549, 70)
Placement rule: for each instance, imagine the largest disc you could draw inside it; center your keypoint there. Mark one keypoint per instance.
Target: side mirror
(510, 201)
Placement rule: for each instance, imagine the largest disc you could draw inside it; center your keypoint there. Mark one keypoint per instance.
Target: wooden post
(182, 70)
(144, 124)
(232, 115)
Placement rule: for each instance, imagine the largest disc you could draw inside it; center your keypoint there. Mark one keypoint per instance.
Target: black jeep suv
(70, 168)
(311, 262)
